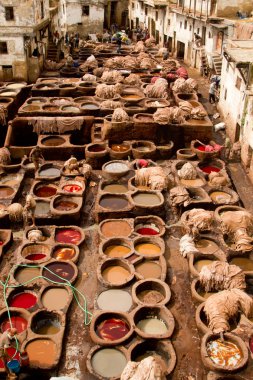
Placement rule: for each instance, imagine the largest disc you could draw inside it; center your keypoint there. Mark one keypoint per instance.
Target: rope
(75, 292)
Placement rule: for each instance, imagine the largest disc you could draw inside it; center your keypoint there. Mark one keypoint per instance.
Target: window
(146, 11)
(180, 24)
(185, 24)
(225, 94)
(198, 30)
(227, 68)
(168, 22)
(9, 13)
(86, 10)
(190, 28)
(238, 83)
(132, 5)
(42, 9)
(3, 48)
(156, 16)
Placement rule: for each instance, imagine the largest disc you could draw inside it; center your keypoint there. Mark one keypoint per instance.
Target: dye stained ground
(185, 339)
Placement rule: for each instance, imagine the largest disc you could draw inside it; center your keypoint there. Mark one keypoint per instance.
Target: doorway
(237, 132)
(180, 49)
(7, 73)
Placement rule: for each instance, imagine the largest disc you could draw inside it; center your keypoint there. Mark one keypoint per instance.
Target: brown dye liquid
(102, 359)
(148, 249)
(220, 197)
(63, 205)
(6, 191)
(199, 264)
(116, 274)
(113, 202)
(143, 187)
(225, 354)
(41, 352)
(47, 329)
(11, 182)
(42, 208)
(117, 251)
(207, 246)
(115, 188)
(192, 182)
(145, 199)
(243, 262)
(150, 296)
(25, 274)
(64, 253)
(116, 228)
(120, 147)
(53, 141)
(149, 269)
(131, 97)
(205, 294)
(55, 298)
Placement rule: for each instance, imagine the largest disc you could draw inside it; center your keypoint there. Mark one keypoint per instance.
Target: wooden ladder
(204, 60)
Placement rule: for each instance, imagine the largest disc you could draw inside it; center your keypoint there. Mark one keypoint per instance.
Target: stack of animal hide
(112, 76)
(105, 91)
(145, 62)
(179, 196)
(186, 107)
(90, 63)
(56, 124)
(110, 104)
(154, 177)
(5, 156)
(187, 245)
(130, 62)
(198, 220)
(148, 369)
(169, 115)
(150, 42)
(198, 113)
(98, 72)
(188, 171)
(133, 80)
(115, 63)
(221, 276)
(184, 86)
(238, 224)
(157, 90)
(161, 51)
(89, 78)
(52, 65)
(221, 307)
(120, 115)
(139, 47)
(3, 115)
(219, 179)
(170, 65)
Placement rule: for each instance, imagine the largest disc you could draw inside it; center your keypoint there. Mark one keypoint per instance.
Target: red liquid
(112, 329)
(10, 352)
(68, 236)
(65, 206)
(23, 300)
(45, 191)
(201, 147)
(18, 323)
(1, 242)
(251, 344)
(35, 256)
(72, 188)
(147, 231)
(208, 169)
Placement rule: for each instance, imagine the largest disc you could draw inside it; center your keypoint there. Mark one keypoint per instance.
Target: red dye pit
(35, 256)
(251, 344)
(23, 300)
(201, 147)
(10, 352)
(112, 329)
(72, 188)
(45, 191)
(147, 231)
(18, 323)
(208, 169)
(1, 242)
(68, 236)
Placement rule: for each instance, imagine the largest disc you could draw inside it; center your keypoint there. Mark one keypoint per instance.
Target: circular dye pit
(23, 275)
(68, 235)
(147, 229)
(96, 148)
(244, 263)
(149, 269)
(150, 296)
(220, 197)
(116, 274)
(50, 172)
(31, 108)
(121, 148)
(64, 205)
(146, 199)
(152, 325)
(6, 191)
(17, 322)
(53, 140)
(55, 298)
(112, 329)
(113, 202)
(71, 109)
(42, 208)
(25, 300)
(116, 228)
(102, 359)
(12, 354)
(45, 191)
(116, 167)
(147, 249)
(206, 246)
(117, 251)
(115, 300)
(62, 272)
(132, 97)
(45, 324)
(210, 168)
(35, 252)
(90, 106)
(72, 188)
(64, 253)
(192, 182)
(224, 354)
(115, 188)
(41, 352)
(199, 264)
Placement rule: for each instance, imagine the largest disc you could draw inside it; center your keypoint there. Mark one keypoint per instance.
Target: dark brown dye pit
(64, 270)
(63, 205)
(45, 191)
(96, 148)
(53, 141)
(6, 191)
(112, 202)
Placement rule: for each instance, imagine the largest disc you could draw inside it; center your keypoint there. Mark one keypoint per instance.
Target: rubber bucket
(14, 366)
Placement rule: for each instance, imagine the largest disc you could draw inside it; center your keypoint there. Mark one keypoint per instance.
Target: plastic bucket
(14, 366)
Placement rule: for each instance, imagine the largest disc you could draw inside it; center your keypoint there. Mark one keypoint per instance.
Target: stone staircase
(52, 52)
(204, 60)
(217, 63)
